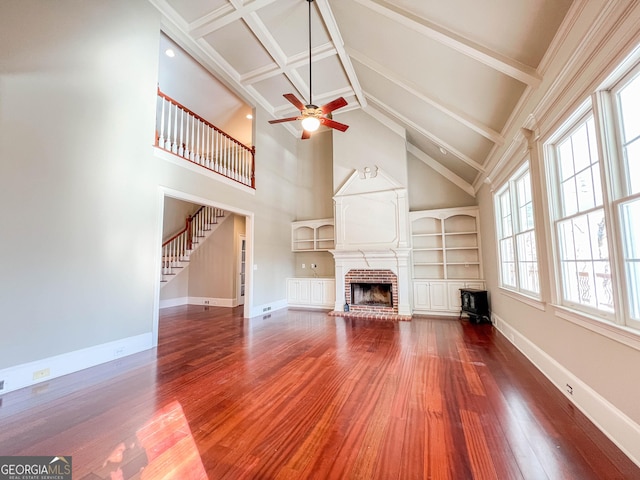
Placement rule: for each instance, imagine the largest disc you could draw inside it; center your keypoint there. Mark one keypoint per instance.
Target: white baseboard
(620, 429)
(21, 376)
(306, 306)
(210, 301)
(174, 302)
(266, 308)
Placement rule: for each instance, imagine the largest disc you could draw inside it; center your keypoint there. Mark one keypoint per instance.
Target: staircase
(177, 250)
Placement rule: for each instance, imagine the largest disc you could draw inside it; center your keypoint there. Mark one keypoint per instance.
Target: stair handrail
(177, 249)
(187, 228)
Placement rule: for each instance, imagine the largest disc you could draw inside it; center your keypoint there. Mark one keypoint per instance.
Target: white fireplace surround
(372, 231)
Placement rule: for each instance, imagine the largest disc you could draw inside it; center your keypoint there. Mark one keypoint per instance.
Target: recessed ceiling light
(249, 116)
(169, 53)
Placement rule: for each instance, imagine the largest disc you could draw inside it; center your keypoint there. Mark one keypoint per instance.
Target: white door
(242, 265)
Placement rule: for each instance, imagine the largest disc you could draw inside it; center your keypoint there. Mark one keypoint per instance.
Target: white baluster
(167, 142)
(161, 137)
(235, 161)
(203, 153)
(174, 144)
(192, 147)
(216, 151)
(181, 147)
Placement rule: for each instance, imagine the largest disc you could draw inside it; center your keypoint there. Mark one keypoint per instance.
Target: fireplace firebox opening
(372, 294)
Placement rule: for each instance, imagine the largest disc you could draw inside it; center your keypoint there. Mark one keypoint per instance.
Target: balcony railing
(187, 135)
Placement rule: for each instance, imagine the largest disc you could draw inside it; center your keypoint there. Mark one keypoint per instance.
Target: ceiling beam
(292, 63)
(336, 38)
(411, 88)
(502, 63)
(223, 16)
(432, 138)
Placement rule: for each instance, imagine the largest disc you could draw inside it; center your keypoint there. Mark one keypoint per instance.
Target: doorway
(242, 265)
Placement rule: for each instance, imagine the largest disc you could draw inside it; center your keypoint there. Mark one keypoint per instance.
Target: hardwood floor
(297, 394)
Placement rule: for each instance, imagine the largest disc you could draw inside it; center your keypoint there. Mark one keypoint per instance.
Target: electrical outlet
(314, 265)
(569, 389)
(45, 372)
(304, 265)
(206, 302)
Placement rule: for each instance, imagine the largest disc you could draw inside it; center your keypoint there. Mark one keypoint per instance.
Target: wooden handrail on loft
(186, 134)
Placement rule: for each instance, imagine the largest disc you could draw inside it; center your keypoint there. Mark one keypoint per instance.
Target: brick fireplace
(375, 298)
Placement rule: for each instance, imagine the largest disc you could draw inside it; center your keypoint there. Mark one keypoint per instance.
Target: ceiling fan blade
(282, 120)
(334, 105)
(294, 101)
(305, 135)
(333, 124)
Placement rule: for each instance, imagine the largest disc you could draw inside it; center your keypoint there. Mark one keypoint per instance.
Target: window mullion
(609, 148)
(515, 221)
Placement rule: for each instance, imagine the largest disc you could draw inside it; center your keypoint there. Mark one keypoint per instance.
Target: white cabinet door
(421, 295)
(439, 296)
(293, 290)
(304, 292)
(317, 292)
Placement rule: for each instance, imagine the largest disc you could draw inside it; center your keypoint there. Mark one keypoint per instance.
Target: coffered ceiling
(451, 73)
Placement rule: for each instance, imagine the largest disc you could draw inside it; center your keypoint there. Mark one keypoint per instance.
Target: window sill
(619, 333)
(531, 301)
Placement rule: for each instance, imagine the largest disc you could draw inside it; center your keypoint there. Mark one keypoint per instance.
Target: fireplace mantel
(372, 232)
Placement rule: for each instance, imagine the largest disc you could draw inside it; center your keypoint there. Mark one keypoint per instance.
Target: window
(581, 230)
(627, 99)
(516, 234)
(597, 222)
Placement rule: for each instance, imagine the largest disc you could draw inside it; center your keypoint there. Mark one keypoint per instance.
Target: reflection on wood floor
(298, 394)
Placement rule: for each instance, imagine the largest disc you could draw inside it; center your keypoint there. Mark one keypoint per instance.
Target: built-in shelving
(312, 235)
(446, 257)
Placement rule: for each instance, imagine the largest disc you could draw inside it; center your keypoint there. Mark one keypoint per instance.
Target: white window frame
(628, 242)
(604, 107)
(516, 230)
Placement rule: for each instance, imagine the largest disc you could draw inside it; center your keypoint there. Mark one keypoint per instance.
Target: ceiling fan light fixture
(310, 124)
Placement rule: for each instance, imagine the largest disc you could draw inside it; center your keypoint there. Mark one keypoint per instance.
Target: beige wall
(315, 176)
(76, 121)
(212, 266)
(77, 85)
(429, 190)
(367, 143)
(175, 214)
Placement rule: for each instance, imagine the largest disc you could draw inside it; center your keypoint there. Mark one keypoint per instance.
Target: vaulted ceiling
(451, 73)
